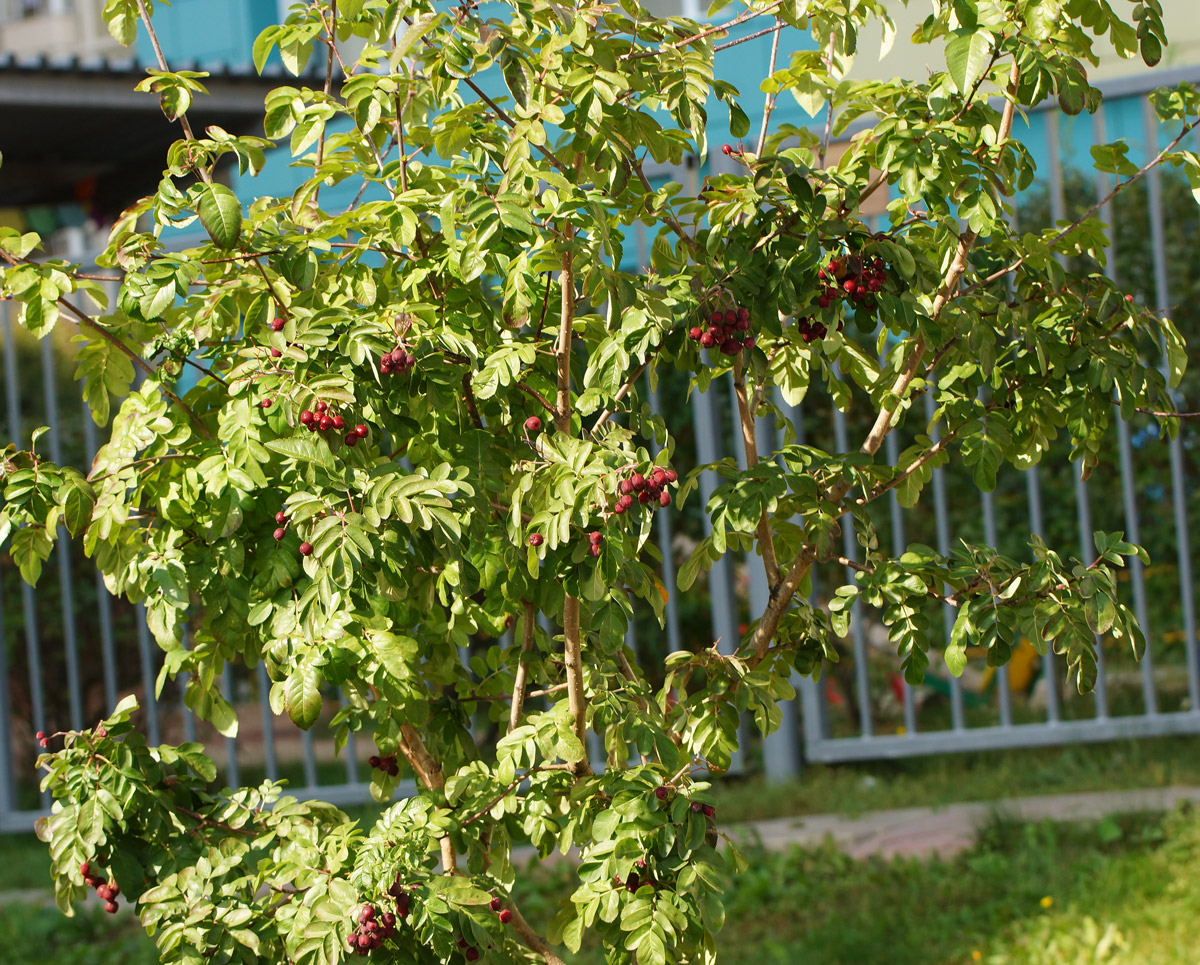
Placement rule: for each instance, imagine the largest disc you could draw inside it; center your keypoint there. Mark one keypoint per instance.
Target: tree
(405, 433)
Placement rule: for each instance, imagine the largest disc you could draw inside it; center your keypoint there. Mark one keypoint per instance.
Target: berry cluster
(664, 792)
(636, 878)
(398, 361)
(372, 929)
(726, 330)
(42, 739)
(323, 420)
(811, 330)
(855, 278)
(502, 913)
(470, 952)
(635, 486)
(388, 764)
(281, 518)
(106, 891)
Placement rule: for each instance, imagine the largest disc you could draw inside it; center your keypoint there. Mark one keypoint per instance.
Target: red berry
(595, 538)
(325, 423)
(879, 264)
(709, 810)
(533, 424)
(306, 549)
(279, 534)
(695, 332)
(361, 431)
(41, 735)
(266, 403)
(322, 406)
(730, 316)
(662, 792)
(626, 486)
(111, 907)
(104, 893)
(495, 904)
(664, 499)
(823, 301)
(1129, 298)
(643, 497)
(750, 342)
(44, 743)
(849, 286)
(281, 517)
(594, 550)
(366, 914)
(351, 439)
(743, 314)
(471, 954)
(462, 942)
(307, 418)
(374, 760)
(277, 325)
(536, 539)
(727, 149)
(402, 905)
(93, 881)
(821, 274)
(696, 807)
(620, 506)
(505, 916)
(339, 423)
(275, 353)
(638, 481)
(707, 340)
(85, 869)
(672, 475)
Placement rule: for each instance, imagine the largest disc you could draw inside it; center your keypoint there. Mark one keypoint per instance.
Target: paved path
(950, 829)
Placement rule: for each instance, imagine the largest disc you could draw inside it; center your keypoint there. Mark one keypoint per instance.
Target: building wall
(57, 29)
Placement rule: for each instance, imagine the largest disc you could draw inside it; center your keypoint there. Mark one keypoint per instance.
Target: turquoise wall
(209, 31)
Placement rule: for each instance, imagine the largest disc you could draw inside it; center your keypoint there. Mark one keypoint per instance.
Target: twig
(740, 19)
(184, 123)
(1170, 415)
(533, 393)
(769, 104)
(522, 676)
(469, 399)
(531, 939)
(430, 773)
(562, 410)
(766, 542)
(621, 393)
(329, 31)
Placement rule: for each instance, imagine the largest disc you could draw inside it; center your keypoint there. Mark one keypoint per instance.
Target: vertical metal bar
(942, 519)
(1003, 697)
(1033, 492)
(149, 701)
(270, 761)
(899, 545)
(663, 518)
(350, 749)
(28, 609)
(108, 659)
(720, 577)
(1178, 485)
(63, 548)
(1058, 211)
(1137, 572)
(310, 760)
(862, 678)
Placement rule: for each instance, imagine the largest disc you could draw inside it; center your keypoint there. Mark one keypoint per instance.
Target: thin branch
(769, 104)
(722, 28)
(1170, 415)
(766, 542)
(430, 773)
(621, 393)
(329, 32)
(531, 939)
(469, 399)
(522, 675)
(184, 123)
(533, 393)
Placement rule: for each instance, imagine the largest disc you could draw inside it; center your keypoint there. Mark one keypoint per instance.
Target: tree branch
(430, 773)
(766, 542)
(521, 679)
(184, 123)
(531, 939)
(769, 104)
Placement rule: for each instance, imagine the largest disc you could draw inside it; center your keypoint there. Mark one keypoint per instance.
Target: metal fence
(101, 649)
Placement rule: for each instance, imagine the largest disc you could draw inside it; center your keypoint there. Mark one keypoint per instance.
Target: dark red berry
(471, 954)
(266, 403)
(505, 916)
(709, 810)
(696, 807)
(626, 486)
(730, 316)
(307, 418)
(325, 423)
(93, 881)
(275, 353)
(664, 499)
(374, 761)
(750, 342)
(111, 907)
(389, 920)
(533, 424)
(695, 332)
(743, 314)
(726, 149)
(879, 264)
(595, 538)
(495, 904)
(361, 431)
(620, 506)
(594, 550)
(823, 301)
(85, 869)
(351, 439)
(662, 792)
(280, 533)
(104, 893)
(403, 902)
(638, 481)
(322, 406)
(281, 517)
(672, 475)
(393, 768)
(306, 549)
(366, 915)
(536, 539)
(643, 497)
(707, 340)
(339, 423)
(277, 325)
(462, 942)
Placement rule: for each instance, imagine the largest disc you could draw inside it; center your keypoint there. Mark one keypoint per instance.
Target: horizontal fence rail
(68, 650)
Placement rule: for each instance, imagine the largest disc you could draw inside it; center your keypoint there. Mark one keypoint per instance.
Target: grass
(1122, 891)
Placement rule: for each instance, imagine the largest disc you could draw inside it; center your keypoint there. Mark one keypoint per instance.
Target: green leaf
(302, 696)
(221, 214)
(966, 58)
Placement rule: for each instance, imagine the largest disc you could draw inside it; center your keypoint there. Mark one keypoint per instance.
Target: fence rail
(102, 647)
